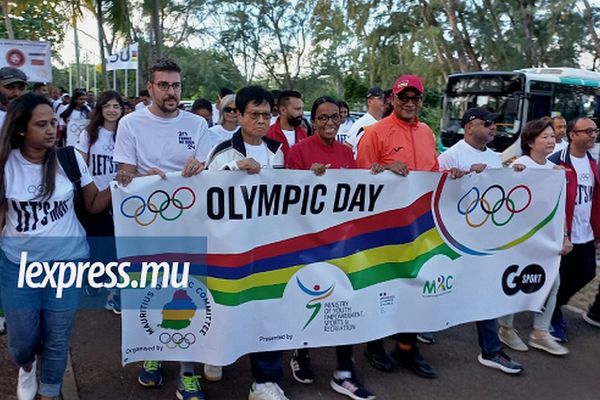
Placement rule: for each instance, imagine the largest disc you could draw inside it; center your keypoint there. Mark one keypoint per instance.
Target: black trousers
(577, 269)
(344, 357)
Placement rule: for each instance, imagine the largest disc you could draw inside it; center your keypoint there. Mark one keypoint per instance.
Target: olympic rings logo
(177, 340)
(140, 206)
(108, 147)
(502, 200)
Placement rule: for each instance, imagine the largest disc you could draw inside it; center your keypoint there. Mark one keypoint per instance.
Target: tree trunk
(441, 47)
(7, 21)
(527, 24)
(100, 19)
(589, 20)
(156, 28)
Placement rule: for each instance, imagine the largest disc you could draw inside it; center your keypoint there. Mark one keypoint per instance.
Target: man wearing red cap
(400, 138)
(400, 143)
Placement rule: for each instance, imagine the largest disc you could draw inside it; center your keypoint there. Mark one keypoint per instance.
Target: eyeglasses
(229, 109)
(111, 106)
(323, 118)
(588, 131)
(257, 115)
(164, 86)
(407, 99)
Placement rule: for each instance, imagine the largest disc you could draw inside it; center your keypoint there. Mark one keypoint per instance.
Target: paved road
(96, 360)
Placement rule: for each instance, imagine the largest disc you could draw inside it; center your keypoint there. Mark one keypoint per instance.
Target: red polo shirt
(313, 150)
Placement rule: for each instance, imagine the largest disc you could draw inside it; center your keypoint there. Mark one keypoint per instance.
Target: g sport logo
(495, 207)
(491, 203)
(530, 280)
(315, 304)
(439, 286)
(135, 206)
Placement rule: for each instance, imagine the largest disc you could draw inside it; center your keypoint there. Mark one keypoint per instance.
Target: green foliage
(30, 21)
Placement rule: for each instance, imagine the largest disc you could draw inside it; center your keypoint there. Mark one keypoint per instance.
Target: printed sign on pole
(123, 59)
(33, 58)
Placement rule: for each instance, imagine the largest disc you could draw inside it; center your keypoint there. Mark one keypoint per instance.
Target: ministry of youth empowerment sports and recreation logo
(177, 318)
(315, 303)
(159, 203)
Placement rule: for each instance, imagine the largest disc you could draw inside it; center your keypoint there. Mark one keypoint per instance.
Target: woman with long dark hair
(39, 222)
(96, 145)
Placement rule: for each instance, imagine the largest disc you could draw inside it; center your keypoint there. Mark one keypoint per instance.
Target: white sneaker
(213, 373)
(27, 385)
(266, 391)
(510, 337)
(549, 345)
(2, 325)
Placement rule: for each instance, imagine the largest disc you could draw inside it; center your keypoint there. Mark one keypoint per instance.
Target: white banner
(123, 59)
(285, 259)
(33, 58)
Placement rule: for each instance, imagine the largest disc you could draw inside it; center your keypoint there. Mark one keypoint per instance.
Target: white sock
(342, 374)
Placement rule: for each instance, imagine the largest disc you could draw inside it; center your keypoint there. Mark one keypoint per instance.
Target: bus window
(539, 106)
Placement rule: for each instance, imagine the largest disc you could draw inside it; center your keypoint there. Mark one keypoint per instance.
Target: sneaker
(426, 337)
(266, 391)
(27, 385)
(151, 374)
(510, 337)
(2, 325)
(502, 362)
(413, 361)
(188, 387)
(213, 373)
(301, 368)
(351, 388)
(548, 345)
(380, 360)
(591, 318)
(113, 303)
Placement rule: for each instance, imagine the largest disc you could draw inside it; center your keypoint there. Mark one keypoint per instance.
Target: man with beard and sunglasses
(287, 129)
(156, 140)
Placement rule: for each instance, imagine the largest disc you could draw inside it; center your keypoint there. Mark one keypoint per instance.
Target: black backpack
(68, 162)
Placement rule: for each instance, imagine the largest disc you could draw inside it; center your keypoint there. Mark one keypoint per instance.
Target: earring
(22, 133)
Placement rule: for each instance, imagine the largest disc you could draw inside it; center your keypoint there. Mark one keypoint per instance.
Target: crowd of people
(249, 130)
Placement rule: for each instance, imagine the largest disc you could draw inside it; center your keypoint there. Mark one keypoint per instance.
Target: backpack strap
(68, 162)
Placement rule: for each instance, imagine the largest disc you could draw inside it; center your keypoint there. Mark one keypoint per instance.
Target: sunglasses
(229, 109)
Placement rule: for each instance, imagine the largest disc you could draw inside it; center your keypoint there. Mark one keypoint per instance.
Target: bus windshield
(497, 92)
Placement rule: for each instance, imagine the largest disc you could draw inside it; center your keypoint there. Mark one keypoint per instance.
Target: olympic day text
(264, 200)
(61, 275)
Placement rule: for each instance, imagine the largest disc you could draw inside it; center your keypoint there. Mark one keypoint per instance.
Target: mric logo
(438, 286)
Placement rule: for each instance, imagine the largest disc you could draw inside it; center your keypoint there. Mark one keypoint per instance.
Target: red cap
(408, 81)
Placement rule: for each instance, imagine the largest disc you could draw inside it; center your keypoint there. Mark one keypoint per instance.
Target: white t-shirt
(462, 155)
(529, 163)
(219, 134)
(581, 230)
(356, 131)
(61, 108)
(29, 219)
(559, 146)
(259, 152)
(100, 160)
(148, 141)
(141, 105)
(290, 136)
(215, 115)
(342, 134)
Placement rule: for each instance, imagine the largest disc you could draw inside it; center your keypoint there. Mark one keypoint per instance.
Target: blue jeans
(267, 366)
(39, 324)
(487, 331)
